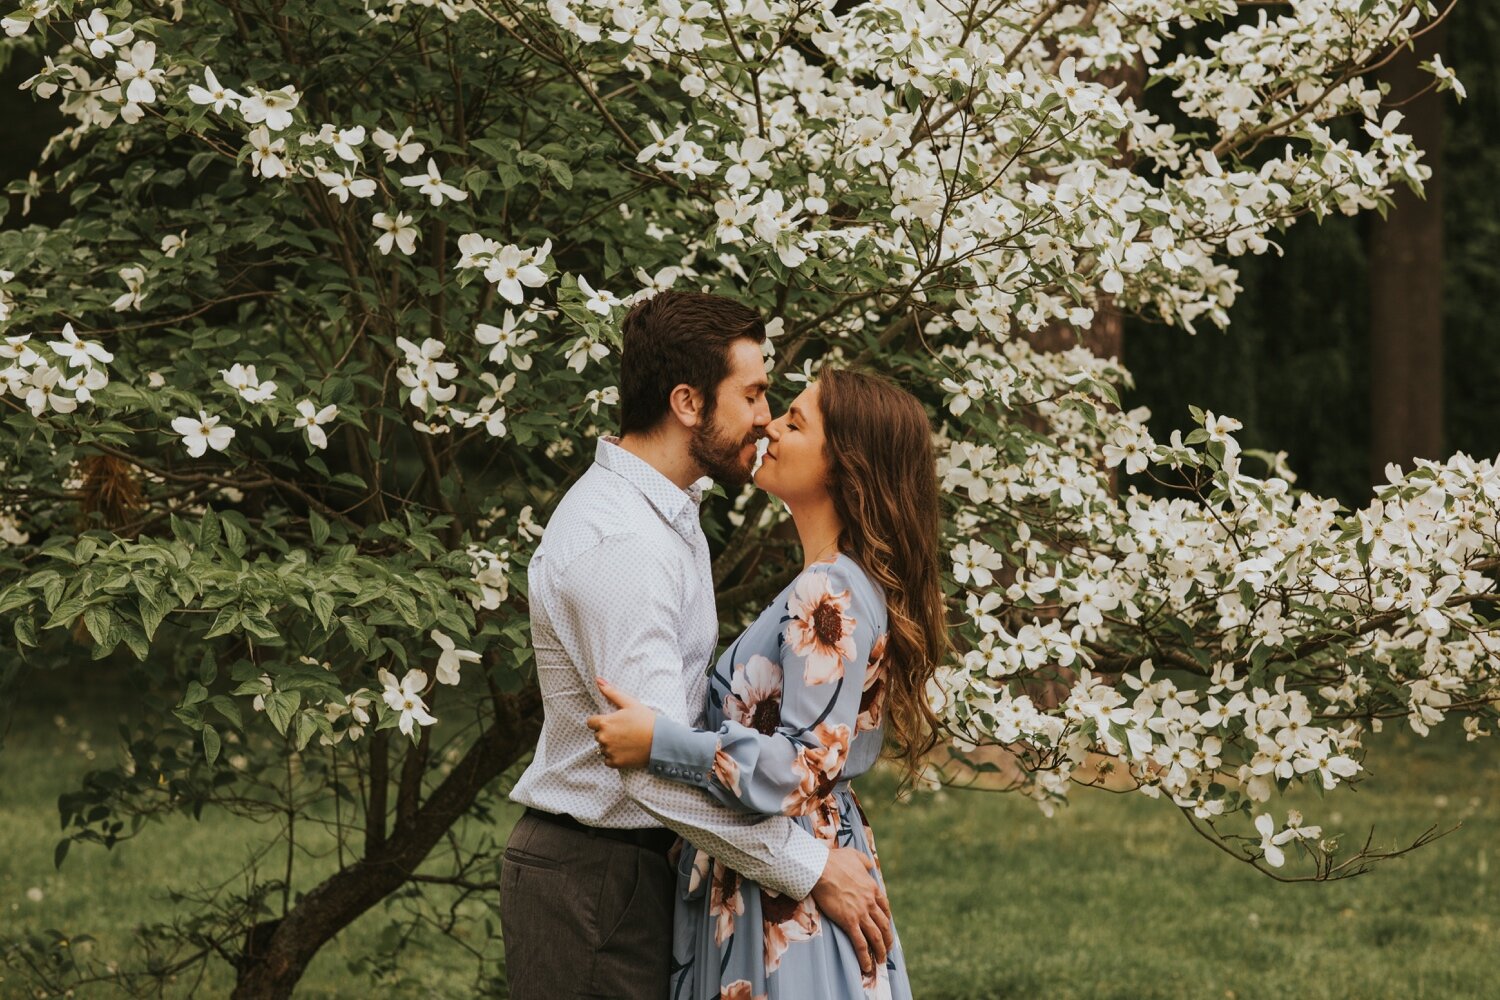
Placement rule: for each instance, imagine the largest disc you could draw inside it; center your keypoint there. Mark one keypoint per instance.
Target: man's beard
(719, 456)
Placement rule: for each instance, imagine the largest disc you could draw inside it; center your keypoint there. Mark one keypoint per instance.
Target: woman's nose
(773, 429)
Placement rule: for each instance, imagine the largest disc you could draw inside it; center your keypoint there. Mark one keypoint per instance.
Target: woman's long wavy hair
(883, 480)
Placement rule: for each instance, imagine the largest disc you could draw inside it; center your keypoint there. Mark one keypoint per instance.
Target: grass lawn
(1114, 898)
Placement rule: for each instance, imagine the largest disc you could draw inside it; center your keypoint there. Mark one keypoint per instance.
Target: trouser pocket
(634, 954)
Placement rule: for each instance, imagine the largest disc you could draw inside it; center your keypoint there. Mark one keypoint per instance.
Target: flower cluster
(54, 376)
(1276, 615)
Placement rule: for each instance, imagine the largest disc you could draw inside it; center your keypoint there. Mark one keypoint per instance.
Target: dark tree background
(1296, 363)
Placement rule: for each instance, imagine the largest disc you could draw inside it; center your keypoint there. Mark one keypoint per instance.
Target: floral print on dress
(821, 629)
(725, 901)
(817, 769)
(796, 710)
(755, 695)
(872, 698)
(786, 920)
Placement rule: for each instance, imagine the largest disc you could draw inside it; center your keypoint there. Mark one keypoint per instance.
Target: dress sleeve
(613, 629)
(788, 722)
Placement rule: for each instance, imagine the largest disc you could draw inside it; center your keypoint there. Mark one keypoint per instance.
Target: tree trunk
(277, 952)
(1406, 287)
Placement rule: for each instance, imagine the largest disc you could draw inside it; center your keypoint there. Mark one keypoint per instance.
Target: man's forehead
(747, 364)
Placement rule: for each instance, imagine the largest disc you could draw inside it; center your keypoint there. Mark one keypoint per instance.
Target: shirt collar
(678, 507)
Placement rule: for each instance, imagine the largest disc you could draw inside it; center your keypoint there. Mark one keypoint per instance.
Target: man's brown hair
(678, 338)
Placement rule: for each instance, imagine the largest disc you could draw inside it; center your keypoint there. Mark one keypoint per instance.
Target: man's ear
(686, 404)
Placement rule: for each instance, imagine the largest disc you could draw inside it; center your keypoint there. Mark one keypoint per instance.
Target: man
(621, 588)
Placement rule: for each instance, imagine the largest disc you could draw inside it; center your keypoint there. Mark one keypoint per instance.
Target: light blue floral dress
(796, 709)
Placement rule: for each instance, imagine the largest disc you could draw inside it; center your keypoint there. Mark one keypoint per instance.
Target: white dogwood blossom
(405, 697)
(203, 433)
(344, 185)
(401, 147)
(134, 277)
(95, 33)
(138, 72)
(504, 340)
(311, 419)
(451, 658)
(213, 92)
(433, 186)
(242, 379)
(273, 107)
(266, 154)
(395, 231)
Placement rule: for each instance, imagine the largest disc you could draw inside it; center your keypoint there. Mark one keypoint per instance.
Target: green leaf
(307, 725)
(359, 634)
(323, 605)
(211, 743)
(60, 852)
(406, 607)
(66, 612)
(154, 612)
(208, 529)
(15, 596)
(226, 707)
(227, 620)
(234, 535)
(281, 706)
(96, 619)
(319, 527)
(259, 625)
(195, 693)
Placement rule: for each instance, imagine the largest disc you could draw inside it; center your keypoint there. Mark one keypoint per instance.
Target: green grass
(1113, 898)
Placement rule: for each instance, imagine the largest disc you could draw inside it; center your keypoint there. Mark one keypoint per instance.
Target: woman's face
(795, 468)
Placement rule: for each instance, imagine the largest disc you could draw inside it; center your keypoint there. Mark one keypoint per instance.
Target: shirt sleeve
(614, 627)
(788, 724)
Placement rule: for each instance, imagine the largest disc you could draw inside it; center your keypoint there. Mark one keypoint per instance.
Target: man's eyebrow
(759, 386)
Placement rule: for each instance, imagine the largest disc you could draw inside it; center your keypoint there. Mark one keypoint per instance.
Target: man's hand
(850, 897)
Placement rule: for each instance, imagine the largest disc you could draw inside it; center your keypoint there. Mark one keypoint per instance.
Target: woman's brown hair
(883, 480)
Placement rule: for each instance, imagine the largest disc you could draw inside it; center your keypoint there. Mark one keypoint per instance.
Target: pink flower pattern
(799, 693)
(821, 629)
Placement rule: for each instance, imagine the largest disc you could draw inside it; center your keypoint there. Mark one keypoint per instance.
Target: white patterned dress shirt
(621, 588)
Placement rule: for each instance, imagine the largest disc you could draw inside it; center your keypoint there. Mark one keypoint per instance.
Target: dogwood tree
(334, 321)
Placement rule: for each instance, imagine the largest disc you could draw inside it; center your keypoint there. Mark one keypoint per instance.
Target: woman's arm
(788, 723)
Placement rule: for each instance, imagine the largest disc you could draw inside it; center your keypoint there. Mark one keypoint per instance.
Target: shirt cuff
(806, 868)
(681, 753)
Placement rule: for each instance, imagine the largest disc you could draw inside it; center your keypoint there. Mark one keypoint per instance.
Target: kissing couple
(774, 891)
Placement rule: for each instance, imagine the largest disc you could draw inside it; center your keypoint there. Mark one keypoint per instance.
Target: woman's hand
(625, 735)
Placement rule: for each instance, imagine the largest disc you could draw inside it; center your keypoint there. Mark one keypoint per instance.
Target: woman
(800, 703)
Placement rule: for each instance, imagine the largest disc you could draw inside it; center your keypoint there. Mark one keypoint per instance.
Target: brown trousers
(584, 916)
